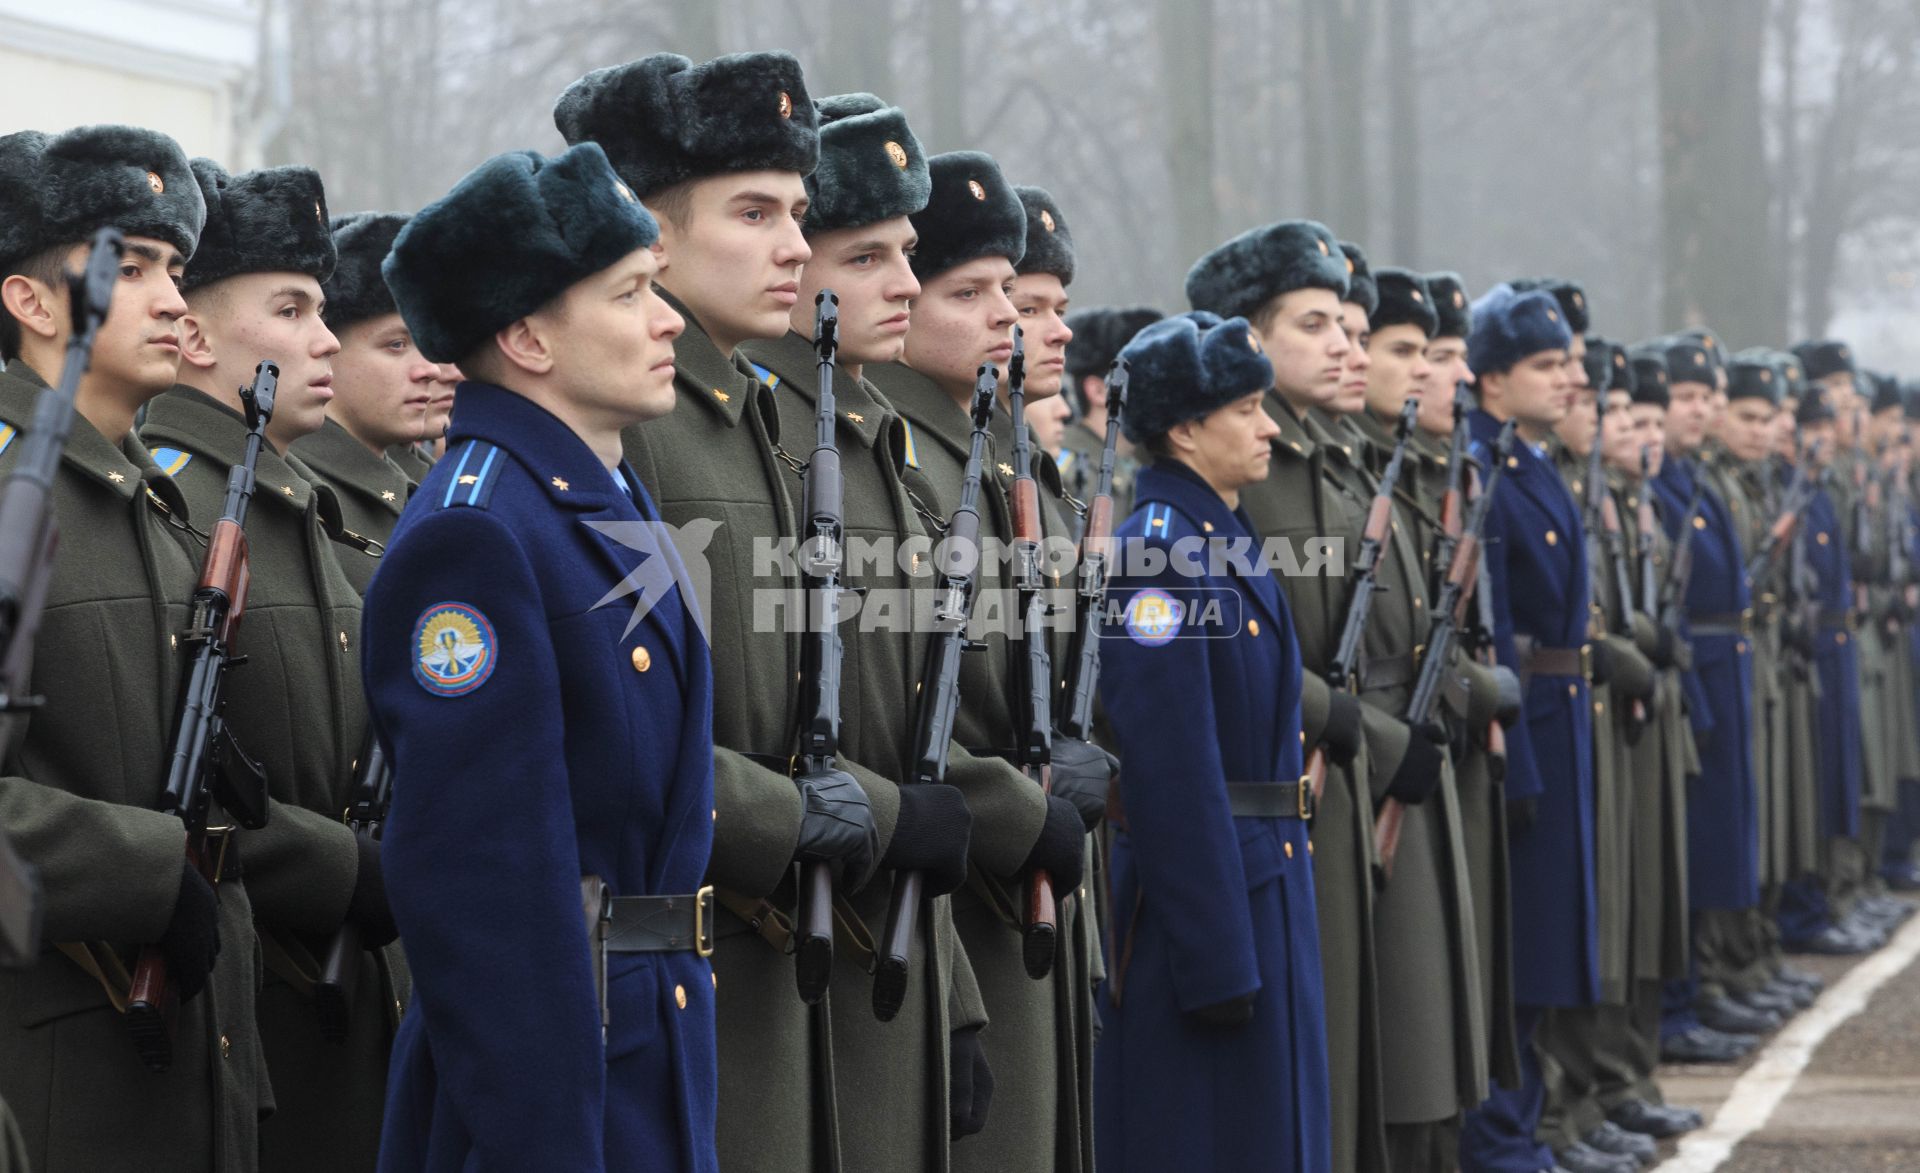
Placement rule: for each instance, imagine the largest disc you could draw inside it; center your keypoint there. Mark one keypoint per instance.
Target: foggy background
(1751, 165)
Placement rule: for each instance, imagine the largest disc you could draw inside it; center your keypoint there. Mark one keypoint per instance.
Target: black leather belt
(1539, 661)
(1737, 624)
(1245, 800)
(660, 924)
(1388, 671)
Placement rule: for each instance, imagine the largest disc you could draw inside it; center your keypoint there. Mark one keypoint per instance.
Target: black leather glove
(192, 939)
(1520, 814)
(971, 1084)
(836, 825)
(1061, 848)
(1231, 1013)
(1507, 703)
(930, 837)
(1599, 663)
(1342, 734)
(1419, 773)
(1664, 648)
(368, 908)
(1082, 772)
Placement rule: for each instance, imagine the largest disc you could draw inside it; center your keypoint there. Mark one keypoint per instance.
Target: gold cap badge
(1046, 219)
(624, 192)
(786, 105)
(158, 184)
(1416, 295)
(979, 193)
(1459, 299)
(1323, 247)
(1253, 342)
(898, 154)
(1553, 315)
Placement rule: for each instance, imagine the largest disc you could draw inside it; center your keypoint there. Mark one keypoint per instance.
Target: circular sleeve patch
(1153, 618)
(454, 649)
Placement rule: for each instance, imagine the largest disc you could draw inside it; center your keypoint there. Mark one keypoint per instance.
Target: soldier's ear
(32, 304)
(526, 345)
(196, 345)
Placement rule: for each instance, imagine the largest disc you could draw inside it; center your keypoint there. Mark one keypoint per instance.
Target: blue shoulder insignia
(170, 460)
(476, 468)
(766, 376)
(912, 455)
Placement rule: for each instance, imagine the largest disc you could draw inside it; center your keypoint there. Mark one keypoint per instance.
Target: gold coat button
(1553, 539)
(1840, 637)
(1289, 849)
(226, 1047)
(1573, 690)
(1741, 647)
(680, 997)
(1598, 708)
(1821, 538)
(716, 980)
(1207, 526)
(1253, 627)
(642, 659)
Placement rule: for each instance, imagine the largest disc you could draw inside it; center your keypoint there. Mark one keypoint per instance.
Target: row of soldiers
(1593, 704)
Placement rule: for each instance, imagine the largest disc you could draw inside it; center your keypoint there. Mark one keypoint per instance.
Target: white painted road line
(1761, 1088)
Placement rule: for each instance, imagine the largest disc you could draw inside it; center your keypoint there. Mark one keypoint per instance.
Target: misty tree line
(1752, 164)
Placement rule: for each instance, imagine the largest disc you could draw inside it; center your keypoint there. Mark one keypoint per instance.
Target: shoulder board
(912, 455)
(1161, 520)
(7, 434)
(765, 376)
(171, 460)
(1065, 459)
(475, 471)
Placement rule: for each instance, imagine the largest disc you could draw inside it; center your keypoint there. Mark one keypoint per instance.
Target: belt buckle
(703, 921)
(1746, 623)
(1303, 801)
(218, 839)
(1586, 662)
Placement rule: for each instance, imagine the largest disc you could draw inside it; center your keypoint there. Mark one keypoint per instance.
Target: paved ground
(1854, 1106)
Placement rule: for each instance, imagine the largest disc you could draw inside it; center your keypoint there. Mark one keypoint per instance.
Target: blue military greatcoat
(1723, 830)
(1201, 679)
(535, 738)
(1537, 563)
(1834, 653)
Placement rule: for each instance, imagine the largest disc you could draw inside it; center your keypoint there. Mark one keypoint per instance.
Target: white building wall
(182, 67)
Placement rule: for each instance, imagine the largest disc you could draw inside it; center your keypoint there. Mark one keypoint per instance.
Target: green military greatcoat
(722, 466)
(370, 489)
(77, 798)
(298, 708)
(1041, 1038)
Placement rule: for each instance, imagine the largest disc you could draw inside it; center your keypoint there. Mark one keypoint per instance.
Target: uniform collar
(87, 451)
(1041, 465)
(723, 382)
(192, 419)
(921, 401)
(344, 461)
(1294, 434)
(555, 457)
(795, 368)
(1173, 483)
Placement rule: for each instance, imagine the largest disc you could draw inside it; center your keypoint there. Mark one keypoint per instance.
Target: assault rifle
(207, 765)
(1449, 615)
(1032, 663)
(1345, 664)
(29, 535)
(933, 730)
(822, 561)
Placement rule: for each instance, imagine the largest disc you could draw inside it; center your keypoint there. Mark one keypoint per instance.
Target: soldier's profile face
(1534, 391)
(1231, 446)
(253, 316)
(735, 256)
(1041, 301)
(964, 317)
(1400, 367)
(1356, 366)
(1619, 438)
(138, 347)
(1747, 428)
(1301, 334)
(1649, 433)
(1577, 363)
(611, 337)
(382, 384)
(868, 270)
(1822, 433)
(1689, 404)
(1578, 427)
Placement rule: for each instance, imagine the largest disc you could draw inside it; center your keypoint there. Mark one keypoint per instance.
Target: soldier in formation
(1349, 726)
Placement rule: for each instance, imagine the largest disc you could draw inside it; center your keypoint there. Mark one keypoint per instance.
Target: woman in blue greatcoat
(1214, 1052)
